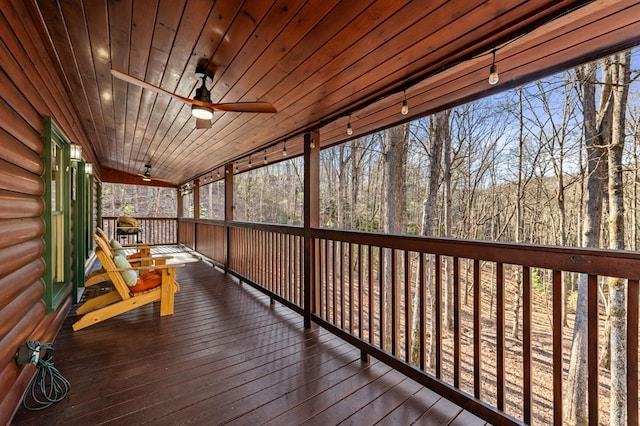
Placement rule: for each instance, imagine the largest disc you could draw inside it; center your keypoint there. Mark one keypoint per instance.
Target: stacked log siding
(30, 89)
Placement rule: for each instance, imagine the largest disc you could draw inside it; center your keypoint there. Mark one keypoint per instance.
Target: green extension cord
(48, 386)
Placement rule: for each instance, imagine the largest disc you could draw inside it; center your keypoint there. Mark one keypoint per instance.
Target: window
(57, 214)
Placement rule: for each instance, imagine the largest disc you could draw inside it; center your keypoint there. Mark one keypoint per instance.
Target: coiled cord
(48, 386)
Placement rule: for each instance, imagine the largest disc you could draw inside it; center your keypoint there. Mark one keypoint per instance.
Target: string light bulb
(493, 71)
(249, 166)
(284, 149)
(265, 157)
(405, 107)
(349, 128)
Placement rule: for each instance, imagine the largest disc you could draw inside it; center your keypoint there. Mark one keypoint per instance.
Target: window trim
(55, 292)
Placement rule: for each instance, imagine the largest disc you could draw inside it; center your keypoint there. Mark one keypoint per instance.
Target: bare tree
(439, 131)
(597, 123)
(620, 69)
(396, 142)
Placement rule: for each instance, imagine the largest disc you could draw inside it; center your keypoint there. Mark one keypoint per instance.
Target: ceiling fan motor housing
(203, 94)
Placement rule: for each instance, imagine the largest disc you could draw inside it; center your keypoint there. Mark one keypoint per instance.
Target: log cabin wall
(30, 89)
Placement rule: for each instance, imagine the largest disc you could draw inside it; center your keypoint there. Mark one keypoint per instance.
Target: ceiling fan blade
(259, 107)
(141, 83)
(202, 123)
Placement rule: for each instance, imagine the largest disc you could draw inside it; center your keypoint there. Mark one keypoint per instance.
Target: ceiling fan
(201, 106)
(146, 176)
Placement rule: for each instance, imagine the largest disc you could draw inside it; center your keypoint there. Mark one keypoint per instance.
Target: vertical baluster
(326, 279)
(247, 238)
(290, 250)
(251, 267)
(269, 261)
(340, 259)
(592, 347)
(273, 237)
(273, 255)
(300, 269)
(259, 256)
(351, 304)
(422, 288)
(371, 302)
(360, 291)
(236, 249)
(557, 298)
(526, 343)
(438, 312)
(244, 240)
(632, 352)
(500, 335)
(477, 329)
(298, 277)
(395, 315)
(265, 259)
(456, 322)
(278, 262)
(333, 281)
(323, 278)
(381, 273)
(407, 306)
(287, 267)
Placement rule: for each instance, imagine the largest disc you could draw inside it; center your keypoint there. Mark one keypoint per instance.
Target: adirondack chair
(122, 298)
(142, 257)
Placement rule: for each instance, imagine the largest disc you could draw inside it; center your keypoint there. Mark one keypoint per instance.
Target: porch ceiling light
(201, 112)
(493, 71)
(203, 95)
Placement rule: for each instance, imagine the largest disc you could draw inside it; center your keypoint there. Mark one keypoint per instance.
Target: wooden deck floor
(227, 356)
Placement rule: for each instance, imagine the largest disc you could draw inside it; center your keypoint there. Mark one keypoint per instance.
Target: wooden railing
(481, 323)
(155, 230)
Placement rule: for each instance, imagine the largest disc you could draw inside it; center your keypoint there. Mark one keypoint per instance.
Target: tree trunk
(355, 182)
(517, 297)
(438, 132)
(396, 143)
(596, 125)
(447, 277)
(620, 70)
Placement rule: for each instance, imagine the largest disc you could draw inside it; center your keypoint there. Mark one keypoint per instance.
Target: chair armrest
(149, 268)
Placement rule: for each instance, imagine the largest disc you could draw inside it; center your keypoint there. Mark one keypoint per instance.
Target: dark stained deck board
(227, 356)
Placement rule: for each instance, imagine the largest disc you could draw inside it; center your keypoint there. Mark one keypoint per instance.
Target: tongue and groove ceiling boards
(318, 62)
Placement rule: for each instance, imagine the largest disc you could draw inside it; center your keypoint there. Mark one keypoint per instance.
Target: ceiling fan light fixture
(201, 112)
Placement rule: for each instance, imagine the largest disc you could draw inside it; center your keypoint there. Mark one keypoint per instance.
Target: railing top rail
(594, 261)
(142, 217)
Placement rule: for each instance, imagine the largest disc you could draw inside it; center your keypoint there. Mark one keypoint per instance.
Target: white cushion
(129, 277)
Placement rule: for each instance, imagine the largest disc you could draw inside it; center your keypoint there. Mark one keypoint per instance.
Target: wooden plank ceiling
(319, 62)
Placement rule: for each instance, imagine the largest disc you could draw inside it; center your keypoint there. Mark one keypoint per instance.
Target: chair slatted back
(103, 252)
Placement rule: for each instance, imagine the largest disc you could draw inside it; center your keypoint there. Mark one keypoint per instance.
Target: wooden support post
(196, 199)
(228, 211)
(178, 214)
(311, 219)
